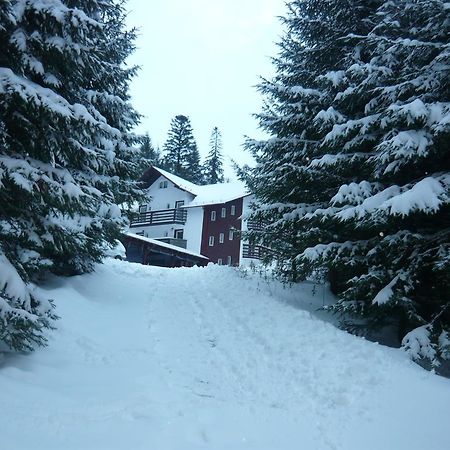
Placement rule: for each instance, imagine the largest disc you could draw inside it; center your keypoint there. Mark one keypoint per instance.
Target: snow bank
(204, 358)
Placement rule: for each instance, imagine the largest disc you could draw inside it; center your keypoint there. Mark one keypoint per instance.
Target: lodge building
(186, 224)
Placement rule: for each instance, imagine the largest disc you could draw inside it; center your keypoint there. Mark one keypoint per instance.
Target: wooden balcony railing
(162, 217)
(255, 225)
(252, 251)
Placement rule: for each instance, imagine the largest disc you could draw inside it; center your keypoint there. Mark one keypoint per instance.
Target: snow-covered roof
(218, 193)
(208, 194)
(164, 244)
(178, 181)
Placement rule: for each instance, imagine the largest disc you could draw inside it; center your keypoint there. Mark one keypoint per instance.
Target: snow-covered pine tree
(180, 148)
(298, 115)
(65, 148)
(148, 155)
(193, 166)
(399, 203)
(213, 167)
(368, 193)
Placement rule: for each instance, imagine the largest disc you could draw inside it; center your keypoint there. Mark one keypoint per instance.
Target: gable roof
(153, 173)
(178, 181)
(209, 194)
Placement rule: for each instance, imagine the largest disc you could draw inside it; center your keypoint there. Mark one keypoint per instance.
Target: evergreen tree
(213, 167)
(66, 148)
(148, 155)
(193, 166)
(356, 179)
(181, 153)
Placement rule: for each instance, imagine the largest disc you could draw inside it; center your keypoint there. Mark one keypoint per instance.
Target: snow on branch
(56, 9)
(360, 125)
(11, 284)
(412, 111)
(426, 196)
(335, 77)
(386, 294)
(417, 343)
(324, 251)
(296, 90)
(402, 147)
(31, 92)
(356, 193)
(330, 115)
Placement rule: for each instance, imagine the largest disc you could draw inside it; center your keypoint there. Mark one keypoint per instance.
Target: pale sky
(203, 58)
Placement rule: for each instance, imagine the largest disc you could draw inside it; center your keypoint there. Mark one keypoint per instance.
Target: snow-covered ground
(202, 358)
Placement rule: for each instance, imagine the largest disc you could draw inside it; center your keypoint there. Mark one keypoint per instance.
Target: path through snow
(153, 358)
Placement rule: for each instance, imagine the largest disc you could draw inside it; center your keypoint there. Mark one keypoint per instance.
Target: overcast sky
(202, 58)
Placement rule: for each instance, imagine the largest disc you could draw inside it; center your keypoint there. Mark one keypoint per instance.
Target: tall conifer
(355, 180)
(66, 147)
(213, 166)
(181, 154)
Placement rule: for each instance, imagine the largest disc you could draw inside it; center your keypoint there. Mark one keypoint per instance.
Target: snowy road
(150, 358)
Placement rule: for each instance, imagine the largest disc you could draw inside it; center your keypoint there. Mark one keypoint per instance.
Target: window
(229, 260)
(213, 216)
(179, 204)
(178, 234)
(165, 184)
(161, 184)
(143, 209)
(223, 212)
(219, 261)
(233, 210)
(221, 237)
(231, 235)
(211, 241)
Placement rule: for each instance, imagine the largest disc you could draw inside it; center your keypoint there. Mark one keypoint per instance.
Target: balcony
(255, 225)
(252, 251)
(162, 217)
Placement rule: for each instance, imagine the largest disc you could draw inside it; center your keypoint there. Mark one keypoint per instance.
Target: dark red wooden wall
(222, 225)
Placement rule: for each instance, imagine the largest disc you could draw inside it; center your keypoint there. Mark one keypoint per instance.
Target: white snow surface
(202, 358)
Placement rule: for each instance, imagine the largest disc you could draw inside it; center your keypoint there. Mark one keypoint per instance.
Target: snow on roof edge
(194, 205)
(164, 244)
(178, 181)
